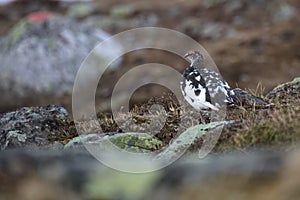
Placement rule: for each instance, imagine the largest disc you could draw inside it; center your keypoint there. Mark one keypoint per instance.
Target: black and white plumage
(204, 89)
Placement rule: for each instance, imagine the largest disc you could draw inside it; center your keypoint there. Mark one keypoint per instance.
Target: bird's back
(205, 89)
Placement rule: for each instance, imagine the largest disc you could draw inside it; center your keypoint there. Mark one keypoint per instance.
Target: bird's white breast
(197, 101)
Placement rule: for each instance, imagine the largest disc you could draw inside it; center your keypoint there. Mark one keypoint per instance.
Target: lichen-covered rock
(33, 127)
(136, 142)
(132, 142)
(286, 92)
(187, 138)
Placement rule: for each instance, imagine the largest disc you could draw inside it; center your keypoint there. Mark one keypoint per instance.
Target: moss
(282, 129)
(272, 128)
(136, 142)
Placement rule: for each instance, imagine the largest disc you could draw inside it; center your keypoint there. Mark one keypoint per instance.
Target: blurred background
(44, 42)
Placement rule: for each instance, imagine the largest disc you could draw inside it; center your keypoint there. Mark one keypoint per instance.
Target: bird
(202, 88)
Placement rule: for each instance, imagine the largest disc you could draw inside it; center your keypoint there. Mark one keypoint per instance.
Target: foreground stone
(77, 175)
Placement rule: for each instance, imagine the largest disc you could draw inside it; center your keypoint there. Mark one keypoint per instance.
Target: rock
(77, 175)
(286, 92)
(40, 58)
(223, 178)
(34, 127)
(80, 141)
(187, 138)
(132, 142)
(48, 174)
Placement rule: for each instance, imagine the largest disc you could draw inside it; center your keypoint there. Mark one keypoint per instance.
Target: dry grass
(267, 128)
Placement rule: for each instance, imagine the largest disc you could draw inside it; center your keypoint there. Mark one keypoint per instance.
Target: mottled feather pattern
(202, 88)
(195, 82)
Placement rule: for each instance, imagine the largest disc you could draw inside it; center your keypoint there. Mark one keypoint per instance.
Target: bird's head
(194, 56)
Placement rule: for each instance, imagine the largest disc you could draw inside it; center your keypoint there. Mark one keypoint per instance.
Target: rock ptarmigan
(202, 88)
